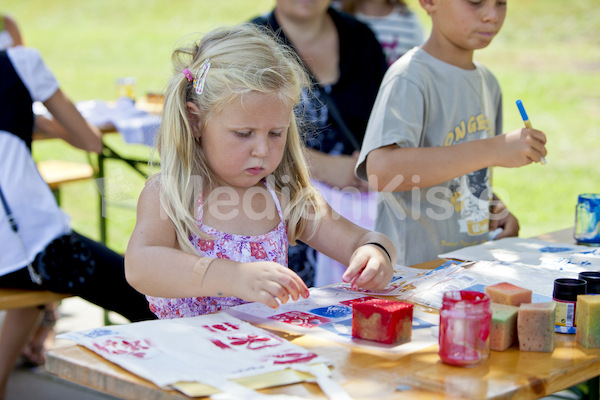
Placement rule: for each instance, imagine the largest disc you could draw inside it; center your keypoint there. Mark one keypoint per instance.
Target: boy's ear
(193, 113)
(428, 5)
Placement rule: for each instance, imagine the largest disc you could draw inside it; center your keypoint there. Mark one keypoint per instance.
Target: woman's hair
(244, 59)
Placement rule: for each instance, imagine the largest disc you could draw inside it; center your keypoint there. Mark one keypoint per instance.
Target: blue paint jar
(587, 219)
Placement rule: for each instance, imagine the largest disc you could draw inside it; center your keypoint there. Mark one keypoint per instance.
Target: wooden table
(152, 104)
(367, 375)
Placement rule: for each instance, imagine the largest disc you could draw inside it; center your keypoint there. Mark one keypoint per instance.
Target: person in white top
(10, 35)
(396, 27)
(38, 249)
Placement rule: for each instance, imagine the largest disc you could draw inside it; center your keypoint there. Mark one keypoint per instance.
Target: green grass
(548, 55)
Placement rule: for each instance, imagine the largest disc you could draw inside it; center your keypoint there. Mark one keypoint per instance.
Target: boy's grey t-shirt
(424, 102)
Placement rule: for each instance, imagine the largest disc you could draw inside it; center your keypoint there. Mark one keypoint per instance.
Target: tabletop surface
(367, 374)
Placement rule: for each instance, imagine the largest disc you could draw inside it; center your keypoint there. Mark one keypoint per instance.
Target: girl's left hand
(369, 268)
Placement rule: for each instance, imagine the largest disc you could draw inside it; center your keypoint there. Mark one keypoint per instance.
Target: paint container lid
(567, 289)
(593, 281)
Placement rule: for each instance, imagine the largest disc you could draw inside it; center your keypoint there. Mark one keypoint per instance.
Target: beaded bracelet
(380, 246)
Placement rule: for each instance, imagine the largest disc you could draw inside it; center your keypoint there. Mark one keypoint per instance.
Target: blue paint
(553, 249)
(420, 324)
(100, 332)
(342, 328)
(332, 311)
(445, 265)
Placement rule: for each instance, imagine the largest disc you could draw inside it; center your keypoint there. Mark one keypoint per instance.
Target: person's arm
(370, 266)
(13, 29)
(69, 124)
(156, 266)
(336, 171)
(392, 168)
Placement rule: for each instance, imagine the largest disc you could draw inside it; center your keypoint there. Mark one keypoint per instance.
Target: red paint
(352, 302)
(292, 358)
(395, 320)
(219, 344)
(253, 342)
(301, 319)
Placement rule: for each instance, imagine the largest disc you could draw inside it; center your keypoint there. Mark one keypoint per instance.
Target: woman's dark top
(362, 66)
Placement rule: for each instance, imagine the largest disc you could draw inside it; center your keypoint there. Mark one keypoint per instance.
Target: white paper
(327, 313)
(196, 349)
(532, 252)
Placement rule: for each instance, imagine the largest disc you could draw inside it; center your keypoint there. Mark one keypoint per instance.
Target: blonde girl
(234, 190)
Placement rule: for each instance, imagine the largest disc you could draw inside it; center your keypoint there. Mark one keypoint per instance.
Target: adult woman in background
(346, 64)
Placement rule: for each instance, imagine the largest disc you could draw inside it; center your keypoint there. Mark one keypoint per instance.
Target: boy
(434, 132)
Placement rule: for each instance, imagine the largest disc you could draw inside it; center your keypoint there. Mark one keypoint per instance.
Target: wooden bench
(56, 173)
(20, 298)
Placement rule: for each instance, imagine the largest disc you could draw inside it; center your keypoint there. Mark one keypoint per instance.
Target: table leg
(594, 388)
(108, 152)
(101, 203)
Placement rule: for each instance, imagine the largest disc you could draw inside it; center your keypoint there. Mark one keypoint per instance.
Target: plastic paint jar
(465, 322)
(593, 281)
(565, 296)
(587, 219)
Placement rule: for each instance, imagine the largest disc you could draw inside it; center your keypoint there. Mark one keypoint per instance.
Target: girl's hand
(369, 268)
(266, 282)
(520, 147)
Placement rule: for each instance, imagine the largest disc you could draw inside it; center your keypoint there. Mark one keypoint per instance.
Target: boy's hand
(520, 147)
(266, 282)
(502, 218)
(369, 268)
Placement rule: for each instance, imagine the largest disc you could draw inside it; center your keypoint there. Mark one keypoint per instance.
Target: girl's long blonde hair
(244, 59)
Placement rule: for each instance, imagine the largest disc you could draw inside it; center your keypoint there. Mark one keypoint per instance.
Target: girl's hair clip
(200, 77)
(188, 74)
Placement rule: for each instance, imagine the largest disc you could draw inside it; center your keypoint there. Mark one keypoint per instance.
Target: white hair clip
(200, 77)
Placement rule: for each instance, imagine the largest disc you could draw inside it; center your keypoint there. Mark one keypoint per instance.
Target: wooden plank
(78, 364)
(18, 298)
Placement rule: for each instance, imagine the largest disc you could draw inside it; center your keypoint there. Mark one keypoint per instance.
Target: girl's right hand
(520, 147)
(266, 282)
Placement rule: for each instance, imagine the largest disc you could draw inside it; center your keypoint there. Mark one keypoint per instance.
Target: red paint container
(465, 323)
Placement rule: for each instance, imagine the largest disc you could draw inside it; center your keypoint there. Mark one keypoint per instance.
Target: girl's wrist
(382, 247)
(199, 270)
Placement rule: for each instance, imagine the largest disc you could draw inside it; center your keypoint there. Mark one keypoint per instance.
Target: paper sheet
(208, 349)
(327, 313)
(532, 252)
